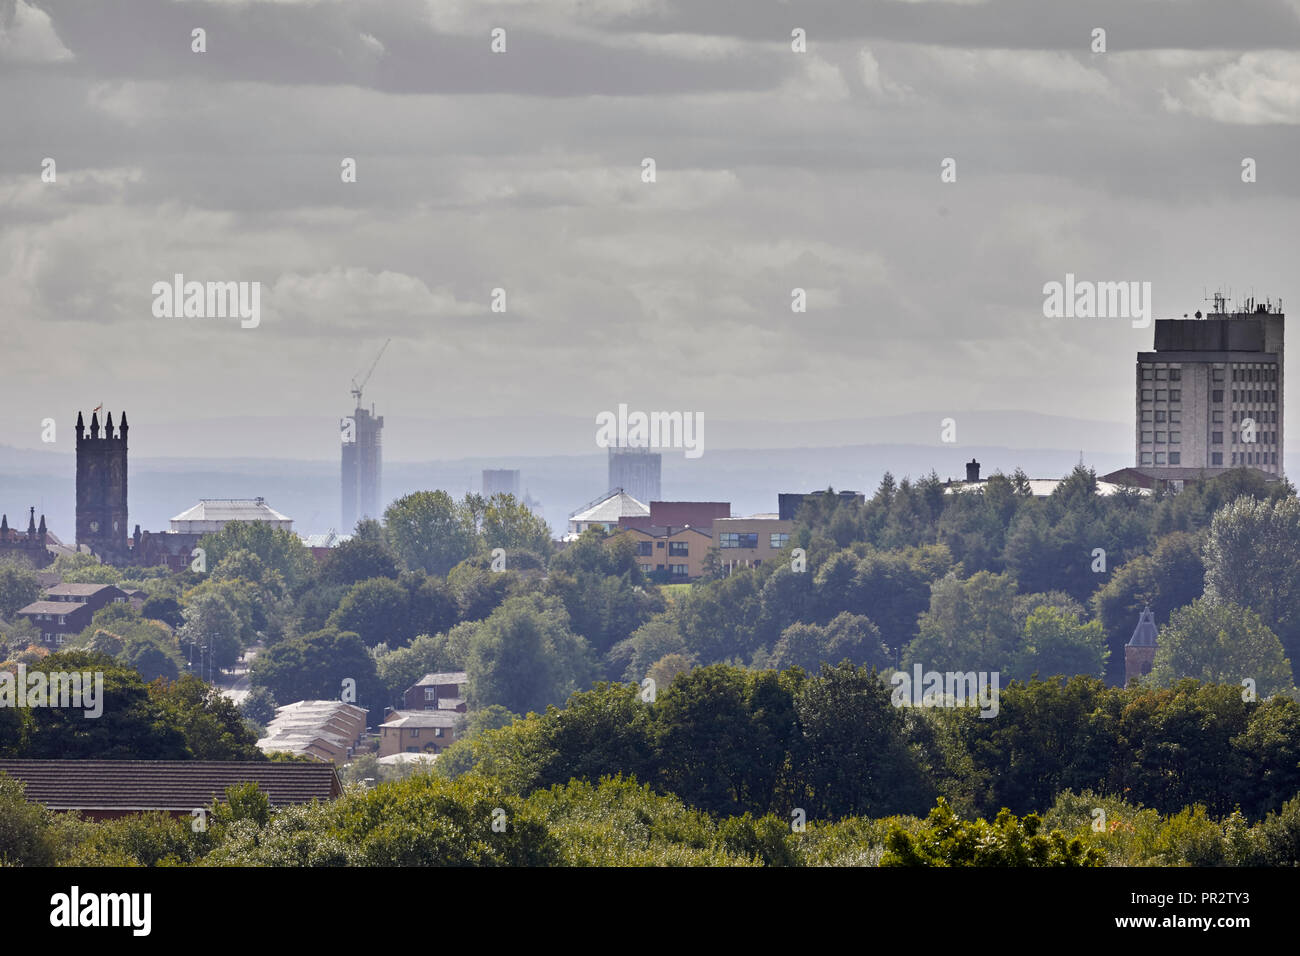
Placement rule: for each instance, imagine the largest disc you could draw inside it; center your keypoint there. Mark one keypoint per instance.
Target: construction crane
(356, 388)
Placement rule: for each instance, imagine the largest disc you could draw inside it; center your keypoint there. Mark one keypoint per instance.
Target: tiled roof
(443, 677)
(420, 718)
(52, 607)
(181, 785)
(78, 590)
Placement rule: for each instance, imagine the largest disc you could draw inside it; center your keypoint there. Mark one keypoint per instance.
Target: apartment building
(743, 542)
(1209, 397)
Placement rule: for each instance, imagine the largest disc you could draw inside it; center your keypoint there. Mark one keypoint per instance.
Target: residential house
(328, 730)
(417, 731)
(67, 609)
(444, 691)
(106, 789)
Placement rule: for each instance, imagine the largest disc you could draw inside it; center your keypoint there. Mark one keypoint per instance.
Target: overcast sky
(522, 170)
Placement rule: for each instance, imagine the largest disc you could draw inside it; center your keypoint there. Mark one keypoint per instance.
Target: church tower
(1140, 651)
(101, 487)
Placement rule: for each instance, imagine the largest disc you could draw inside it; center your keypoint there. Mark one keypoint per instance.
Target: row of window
(1216, 438)
(1255, 374)
(1252, 396)
(1216, 458)
(1239, 374)
(1254, 458)
(646, 548)
(677, 570)
(1167, 395)
(737, 539)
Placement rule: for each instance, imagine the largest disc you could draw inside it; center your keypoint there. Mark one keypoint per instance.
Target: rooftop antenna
(356, 388)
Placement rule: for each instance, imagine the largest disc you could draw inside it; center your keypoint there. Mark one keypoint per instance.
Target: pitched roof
(617, 505)
(330, 539)
(420, 718)
(53, 607)
(180, 785)
(231, 509)
(1144, 635)
(78, 590)
(442, 677)
(304, 724)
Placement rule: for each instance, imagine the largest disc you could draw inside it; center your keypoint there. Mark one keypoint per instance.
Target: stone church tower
(1140, 651)
(101, 488)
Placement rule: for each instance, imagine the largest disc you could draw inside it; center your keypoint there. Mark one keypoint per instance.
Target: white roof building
(330, 539)
(1043, 487)
(605, 513)
(210, 515)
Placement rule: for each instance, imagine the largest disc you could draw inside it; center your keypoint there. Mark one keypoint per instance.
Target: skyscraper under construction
(362, 438)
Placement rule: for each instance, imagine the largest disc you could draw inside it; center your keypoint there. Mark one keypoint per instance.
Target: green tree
(277, 550)
(851, 637)
(853, 757)
(970, 625)
(430, 532)
(946, 840)
(130, 725)
(524, 656)
(510, 524)
(212, 628)
(1057, 642)
(358, 559)
(1252, 559)
(212, 725)
(314, 667)
(18, 588)
(26, 829)
(378, 610)
(1221, 643)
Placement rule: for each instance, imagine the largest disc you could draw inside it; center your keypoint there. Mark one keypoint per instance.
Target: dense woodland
(769, 735)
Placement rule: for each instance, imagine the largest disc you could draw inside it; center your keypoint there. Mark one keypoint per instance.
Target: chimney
(972, 470)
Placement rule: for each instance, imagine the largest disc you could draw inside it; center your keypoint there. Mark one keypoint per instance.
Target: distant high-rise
(362, 466)
(500, 481)
(636, 471)
(1210, 396)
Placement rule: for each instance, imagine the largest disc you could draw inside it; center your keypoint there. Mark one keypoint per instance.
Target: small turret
(1140, 651)
(121, 429)
(4, 527)
(40, 531)
(31, 522)
(81, 426)
(108, 425)
(94, 425)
